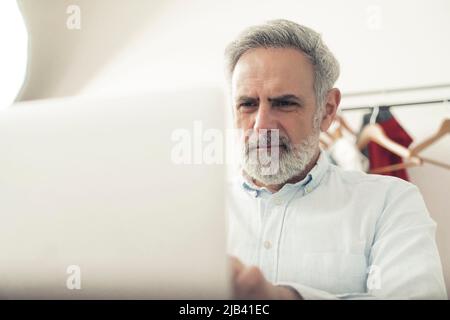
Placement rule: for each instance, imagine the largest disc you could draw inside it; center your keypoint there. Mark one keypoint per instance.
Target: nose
(264, 118)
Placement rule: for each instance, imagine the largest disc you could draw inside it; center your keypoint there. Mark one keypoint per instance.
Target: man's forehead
(269, 60)
(270, 86)
(276, 70)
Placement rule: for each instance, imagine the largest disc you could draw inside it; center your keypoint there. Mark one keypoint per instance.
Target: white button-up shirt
(338, 234)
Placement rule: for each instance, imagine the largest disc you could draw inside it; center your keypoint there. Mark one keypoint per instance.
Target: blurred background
(392, 53)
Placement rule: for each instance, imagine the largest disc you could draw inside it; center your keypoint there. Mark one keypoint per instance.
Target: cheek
(243, 120)
(297, 129)
(242, 125)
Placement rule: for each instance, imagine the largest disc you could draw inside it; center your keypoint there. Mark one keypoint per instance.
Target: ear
(331, 106)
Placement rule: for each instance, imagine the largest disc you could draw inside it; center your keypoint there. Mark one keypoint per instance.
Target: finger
(250, 283)
(236, 266)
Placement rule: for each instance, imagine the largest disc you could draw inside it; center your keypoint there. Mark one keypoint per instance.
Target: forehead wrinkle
(267, 88)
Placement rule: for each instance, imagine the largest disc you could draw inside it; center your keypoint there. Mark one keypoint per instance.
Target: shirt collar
(310, 182)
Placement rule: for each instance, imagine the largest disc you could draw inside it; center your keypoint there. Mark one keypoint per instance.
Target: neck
(276, 187)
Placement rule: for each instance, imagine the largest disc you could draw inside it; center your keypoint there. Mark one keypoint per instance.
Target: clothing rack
(397, 105)
(398, 97)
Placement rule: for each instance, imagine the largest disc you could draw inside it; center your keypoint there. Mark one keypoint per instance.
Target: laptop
(112, 199)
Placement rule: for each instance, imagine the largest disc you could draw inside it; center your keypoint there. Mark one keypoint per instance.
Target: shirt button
(267, 244)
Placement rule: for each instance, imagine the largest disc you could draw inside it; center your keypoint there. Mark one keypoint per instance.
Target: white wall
(380, 44)
(185, 45)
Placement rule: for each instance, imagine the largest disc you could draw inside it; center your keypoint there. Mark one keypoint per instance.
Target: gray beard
(281, 164)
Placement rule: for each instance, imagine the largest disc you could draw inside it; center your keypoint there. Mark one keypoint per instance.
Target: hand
(249, 283)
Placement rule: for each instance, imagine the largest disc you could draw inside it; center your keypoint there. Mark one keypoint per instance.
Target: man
(309, 229)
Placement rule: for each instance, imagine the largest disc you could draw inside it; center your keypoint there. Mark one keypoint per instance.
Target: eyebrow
(284, 96)
(287, 97)
(246, 98)
(277, 98)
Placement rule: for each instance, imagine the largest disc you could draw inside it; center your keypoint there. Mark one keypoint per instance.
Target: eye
(247, 106)
(285, 103)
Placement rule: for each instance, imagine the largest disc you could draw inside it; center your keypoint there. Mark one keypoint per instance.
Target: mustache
(265, 141)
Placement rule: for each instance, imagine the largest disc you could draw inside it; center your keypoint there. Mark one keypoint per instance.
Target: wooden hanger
(374, 132)
(329, 138)
(395, 167)
(443, 130)
(339, 131)
(343, 124)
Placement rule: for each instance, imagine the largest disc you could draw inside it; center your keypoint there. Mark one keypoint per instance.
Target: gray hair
(287, 34)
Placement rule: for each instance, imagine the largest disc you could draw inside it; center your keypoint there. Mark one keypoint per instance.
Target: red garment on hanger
(381, 157)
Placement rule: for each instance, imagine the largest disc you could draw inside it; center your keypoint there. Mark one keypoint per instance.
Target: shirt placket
(271, 218)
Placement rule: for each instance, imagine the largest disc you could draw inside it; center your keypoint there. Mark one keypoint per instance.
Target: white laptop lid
(89, 188)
